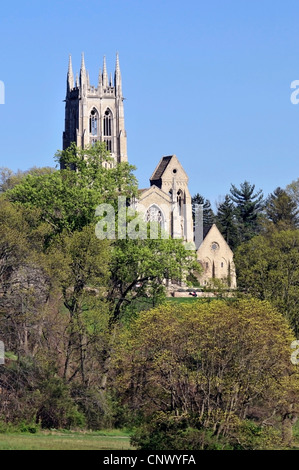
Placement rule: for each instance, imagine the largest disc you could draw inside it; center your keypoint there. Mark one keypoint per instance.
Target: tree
(67, 199)
(226, 222)
(292, 190)
(91, 282)
(208, 214)
(281, 210)
(9, 179)
(140, 267)
(268, 268)
(248, 205)
(24, 281)
(217, 365)
(80, 264)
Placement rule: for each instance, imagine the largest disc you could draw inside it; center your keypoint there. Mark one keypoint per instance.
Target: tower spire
(82, 70)
(70, 75)
(105, 76)
(117, 77)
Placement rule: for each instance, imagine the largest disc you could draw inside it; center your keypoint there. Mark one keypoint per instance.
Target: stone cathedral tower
(95, 112)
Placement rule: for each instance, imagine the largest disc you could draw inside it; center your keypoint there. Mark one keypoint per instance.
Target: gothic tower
(95, 113)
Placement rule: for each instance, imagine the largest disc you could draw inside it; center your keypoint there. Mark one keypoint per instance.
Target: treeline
(263, 233)
(245, 212)
(64, 292)
(91, 343)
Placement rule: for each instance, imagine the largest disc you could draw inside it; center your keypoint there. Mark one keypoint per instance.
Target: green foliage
(35, 396)
(281, 211)
(292, 190)
(227, 223)
(248, 205)
(166, 431)
(23, 427)
(9, 179)
(67, 199)
(208, 214)
(268, 268)
(190, 375)
(220, 361)
(139, 267)
(57, 409)
(192, 280)
(93, 405)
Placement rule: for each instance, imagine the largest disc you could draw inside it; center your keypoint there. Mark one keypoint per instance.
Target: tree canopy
(281, 211)
(268, 268)
(215, 365)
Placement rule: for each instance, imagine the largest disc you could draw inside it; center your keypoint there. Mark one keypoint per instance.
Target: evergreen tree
(292, 190)
(226, 222)
(248, 205)
(208, 214)
(281, 210)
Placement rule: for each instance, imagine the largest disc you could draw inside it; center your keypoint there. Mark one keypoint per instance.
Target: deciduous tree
(214, 364)
(268, 268)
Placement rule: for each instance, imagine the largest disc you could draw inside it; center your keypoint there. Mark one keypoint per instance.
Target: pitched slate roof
(156, 178)
(206, 229)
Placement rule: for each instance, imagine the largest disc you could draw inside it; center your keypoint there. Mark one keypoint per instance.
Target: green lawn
(180, 300)
(112, 440)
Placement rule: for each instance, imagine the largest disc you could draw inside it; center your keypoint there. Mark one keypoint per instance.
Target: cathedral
(97, 113)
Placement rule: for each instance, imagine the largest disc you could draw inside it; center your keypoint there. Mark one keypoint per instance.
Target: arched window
(108, 144)
(213, 271)
(93, 122)
(180, 200)
(107, 129)
(154, 214)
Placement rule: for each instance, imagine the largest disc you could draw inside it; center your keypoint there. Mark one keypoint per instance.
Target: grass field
(180, 300)
(110, 440)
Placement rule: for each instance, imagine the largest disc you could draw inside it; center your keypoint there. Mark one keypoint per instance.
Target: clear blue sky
(206, 80)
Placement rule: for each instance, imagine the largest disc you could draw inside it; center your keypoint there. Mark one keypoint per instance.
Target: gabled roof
(206, 229)
(145, 193)
(157, 175)
(213, 229)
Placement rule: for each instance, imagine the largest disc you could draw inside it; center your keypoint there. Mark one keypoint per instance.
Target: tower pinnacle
(82, 70)
(117, 78)
(70, 75)
(105, 76)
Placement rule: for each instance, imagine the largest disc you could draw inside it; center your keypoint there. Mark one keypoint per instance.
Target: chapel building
(96, 113)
